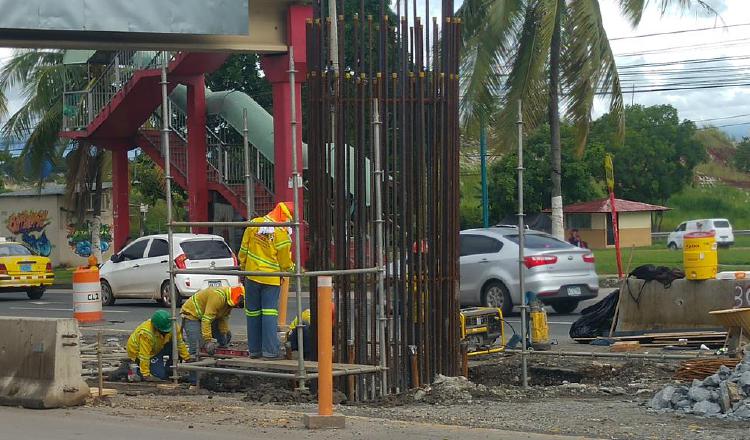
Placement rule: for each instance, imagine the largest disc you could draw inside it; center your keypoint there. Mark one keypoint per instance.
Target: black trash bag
(596, 319)
(650, 272)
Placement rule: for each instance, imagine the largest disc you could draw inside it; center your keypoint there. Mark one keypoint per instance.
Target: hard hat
(162, 321)
(237, 296)
(288, 208)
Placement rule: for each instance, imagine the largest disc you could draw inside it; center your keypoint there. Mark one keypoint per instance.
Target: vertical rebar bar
(521, 244)
(249, 184)
(170, 235)
(297, 225)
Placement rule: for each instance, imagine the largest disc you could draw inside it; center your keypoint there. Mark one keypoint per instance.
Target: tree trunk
(554, 125)
(96, 223)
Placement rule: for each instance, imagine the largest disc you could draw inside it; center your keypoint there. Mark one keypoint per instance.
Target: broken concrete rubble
(724, 394)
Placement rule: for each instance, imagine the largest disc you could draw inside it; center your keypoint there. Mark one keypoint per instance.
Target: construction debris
(702, 368)
(726, 394)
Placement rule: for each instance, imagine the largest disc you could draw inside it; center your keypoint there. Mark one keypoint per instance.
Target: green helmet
(162, 321)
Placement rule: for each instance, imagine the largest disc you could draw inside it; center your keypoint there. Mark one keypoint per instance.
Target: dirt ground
(570, 396)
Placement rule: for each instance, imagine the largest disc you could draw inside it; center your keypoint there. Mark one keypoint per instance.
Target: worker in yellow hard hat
(151, 342)
(265, 249)
(205, 317)
(292, 340)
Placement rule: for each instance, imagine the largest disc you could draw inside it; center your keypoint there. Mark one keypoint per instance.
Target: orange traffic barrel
(700, 256)
(87, 295)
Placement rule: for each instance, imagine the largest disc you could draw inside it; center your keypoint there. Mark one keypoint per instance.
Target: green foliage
(471, 198)
(658, 156)
(581, 177)
(148, 185)
(241, 72)
(741, 160)
(708, 202)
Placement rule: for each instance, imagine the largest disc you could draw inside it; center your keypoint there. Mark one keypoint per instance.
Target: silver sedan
(560, 274)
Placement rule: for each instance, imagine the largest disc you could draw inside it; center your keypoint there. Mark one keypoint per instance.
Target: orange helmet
(237, 296)
(283, 212)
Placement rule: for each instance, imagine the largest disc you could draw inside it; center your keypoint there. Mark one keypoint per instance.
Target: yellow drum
(700, 256)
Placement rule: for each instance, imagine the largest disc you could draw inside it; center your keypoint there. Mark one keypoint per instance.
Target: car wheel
(496, 295)
(108, 298)
(35, 292)
(165, 298)
(565, 306)
(672, 246)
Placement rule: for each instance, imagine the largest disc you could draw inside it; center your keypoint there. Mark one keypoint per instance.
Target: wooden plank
(623, 346)
(285, 365)
(106, 392)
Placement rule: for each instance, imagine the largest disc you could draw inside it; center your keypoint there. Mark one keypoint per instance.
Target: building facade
(43, 221)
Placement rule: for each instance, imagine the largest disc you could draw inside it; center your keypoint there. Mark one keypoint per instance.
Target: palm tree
(41, 77)
(538, 51)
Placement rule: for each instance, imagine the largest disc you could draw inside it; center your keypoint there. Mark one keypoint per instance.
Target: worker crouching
(151, 343)
(205, 317)
(292, 339)
(265, 249)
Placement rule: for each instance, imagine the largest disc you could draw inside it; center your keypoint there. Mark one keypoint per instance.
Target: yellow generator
(482, 330)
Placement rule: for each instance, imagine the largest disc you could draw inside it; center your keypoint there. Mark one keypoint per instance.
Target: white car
(140, 270)
(721, 226)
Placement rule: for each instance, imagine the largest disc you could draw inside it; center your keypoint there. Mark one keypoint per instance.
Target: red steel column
(197, 168)
(120, 197)
(276, 69)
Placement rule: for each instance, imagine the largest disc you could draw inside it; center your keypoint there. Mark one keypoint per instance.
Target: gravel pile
(725, 394)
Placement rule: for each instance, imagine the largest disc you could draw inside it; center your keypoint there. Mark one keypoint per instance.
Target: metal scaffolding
(385, 125)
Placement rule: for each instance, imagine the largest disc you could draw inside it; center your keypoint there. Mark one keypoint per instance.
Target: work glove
(225, 339)
(151, 379)
(210, 347)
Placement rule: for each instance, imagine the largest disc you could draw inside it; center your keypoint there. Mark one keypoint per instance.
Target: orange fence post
(325, 345)
(325, 417)
(283, 298)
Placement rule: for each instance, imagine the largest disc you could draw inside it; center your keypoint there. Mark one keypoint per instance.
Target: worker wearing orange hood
(265, 249)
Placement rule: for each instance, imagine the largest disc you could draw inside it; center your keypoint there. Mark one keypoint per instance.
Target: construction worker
(205, 317)
(294, 327)
(265, 249)
(151, 342)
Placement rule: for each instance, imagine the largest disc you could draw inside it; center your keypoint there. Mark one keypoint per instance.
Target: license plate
(574, 291)
(25, 268)
(214, 283)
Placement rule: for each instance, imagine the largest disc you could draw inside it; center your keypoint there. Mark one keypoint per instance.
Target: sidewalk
(89, 423)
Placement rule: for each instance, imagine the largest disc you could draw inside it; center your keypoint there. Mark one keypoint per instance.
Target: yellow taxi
(22, 270)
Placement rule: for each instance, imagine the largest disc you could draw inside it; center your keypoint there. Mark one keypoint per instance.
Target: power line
(725, 125)
(683, 31)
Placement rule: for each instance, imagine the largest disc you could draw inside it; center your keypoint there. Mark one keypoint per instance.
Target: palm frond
(633, 9)
(588, 69)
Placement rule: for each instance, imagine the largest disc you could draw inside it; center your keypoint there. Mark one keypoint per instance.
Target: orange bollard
(283, 299)
(325, 345)
(325, 419)
(87, 291)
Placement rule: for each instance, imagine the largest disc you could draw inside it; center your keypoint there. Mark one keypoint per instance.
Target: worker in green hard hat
(151, 342)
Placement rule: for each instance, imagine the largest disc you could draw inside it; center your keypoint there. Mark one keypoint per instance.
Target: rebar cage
(383, 88)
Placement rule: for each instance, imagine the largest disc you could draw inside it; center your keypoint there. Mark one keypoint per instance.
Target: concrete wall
(44, 223)
(635, 220)
(683, 306)
(40, 363)
(595, 238)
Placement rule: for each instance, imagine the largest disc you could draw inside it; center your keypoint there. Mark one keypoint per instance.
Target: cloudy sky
(697, 58)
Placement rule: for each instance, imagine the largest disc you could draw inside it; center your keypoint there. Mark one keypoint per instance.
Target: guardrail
(663, 235)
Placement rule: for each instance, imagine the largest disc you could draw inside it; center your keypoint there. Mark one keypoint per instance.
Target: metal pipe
(297, 209)
(626, 355)
(99, 362)
(249, 187)
(170, 236)
(199, 368)
(314, 273)
(521, 244)
(379, 243)
(234, 224)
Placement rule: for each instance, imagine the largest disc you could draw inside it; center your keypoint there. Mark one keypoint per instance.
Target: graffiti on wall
(30, 227)
(79, 238)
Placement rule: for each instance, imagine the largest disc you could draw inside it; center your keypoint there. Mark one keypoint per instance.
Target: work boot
(121, 373)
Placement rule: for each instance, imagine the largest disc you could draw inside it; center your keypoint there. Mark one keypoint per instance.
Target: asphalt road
(125, 315)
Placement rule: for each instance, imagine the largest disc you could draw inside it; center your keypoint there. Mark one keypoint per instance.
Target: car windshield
(538, 241)
(721, 224)
(13, 249)
(206, 249)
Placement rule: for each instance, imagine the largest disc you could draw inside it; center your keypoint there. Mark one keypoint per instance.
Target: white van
(721, 226)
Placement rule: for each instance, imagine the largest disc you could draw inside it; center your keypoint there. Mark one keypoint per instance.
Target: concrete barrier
(683, 306)
(40, 363)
